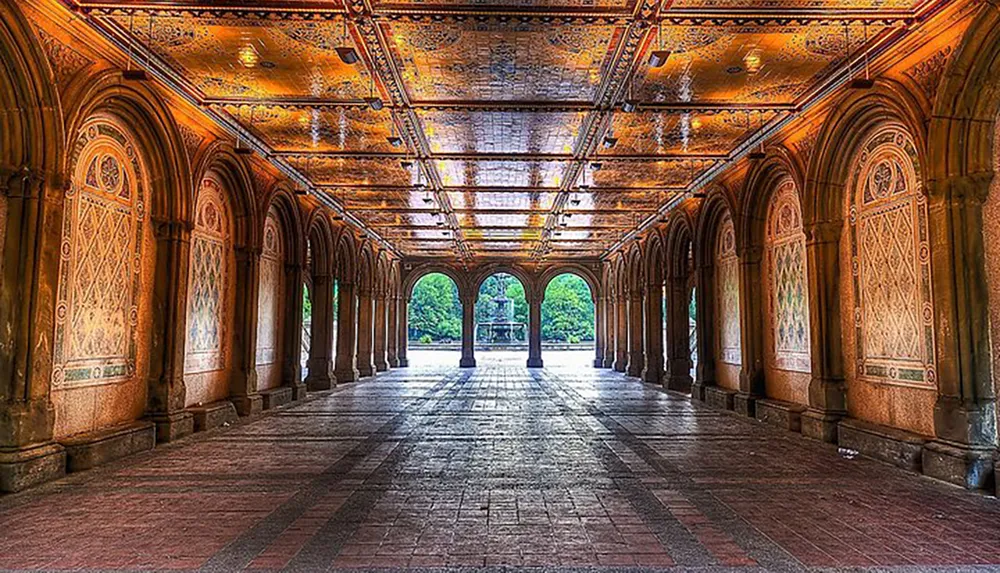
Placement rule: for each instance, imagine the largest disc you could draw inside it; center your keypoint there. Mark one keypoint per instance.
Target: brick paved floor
(435, 466)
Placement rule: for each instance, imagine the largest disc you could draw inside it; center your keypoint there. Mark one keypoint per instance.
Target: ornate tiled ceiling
(502, 133)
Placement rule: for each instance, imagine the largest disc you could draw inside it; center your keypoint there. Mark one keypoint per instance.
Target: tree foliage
(435, 309)
(568, 310)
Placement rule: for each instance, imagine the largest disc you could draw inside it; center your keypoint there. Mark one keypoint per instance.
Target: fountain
(501, 330)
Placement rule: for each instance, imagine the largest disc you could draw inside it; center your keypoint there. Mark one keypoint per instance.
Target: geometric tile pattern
(727, 281)
(100, 258)
(785, 244)
(890, 262)
(271, 296)
(562, 467)
(211, 250)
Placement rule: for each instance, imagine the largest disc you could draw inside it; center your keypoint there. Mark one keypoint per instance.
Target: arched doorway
(434, 329)
(568, 321)
(501, 318)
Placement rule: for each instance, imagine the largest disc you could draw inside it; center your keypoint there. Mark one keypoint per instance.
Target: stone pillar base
(21, 468)
(366, 370)
(785, 415)
(651, 376)
(351, 375)
(608, 363)
(274, 397)
(821, 425)
(698, 391)
(299, 391)
(393, 362)
(634, 370)
(535, 363)
(320, 383)
(679, 384)
(173, 426)
(213, 415)
(890, 445)
(404, 362)
(620, 365)
(598, 363)
(467, 362)
(745, 404)
(968, 466)
(248, 405)
(719, 398)
(381, 367)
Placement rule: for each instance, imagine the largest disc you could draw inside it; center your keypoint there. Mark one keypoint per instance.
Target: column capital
(21, 181)
(176, 229)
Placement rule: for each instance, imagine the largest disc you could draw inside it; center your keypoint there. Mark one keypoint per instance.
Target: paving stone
(499, 466)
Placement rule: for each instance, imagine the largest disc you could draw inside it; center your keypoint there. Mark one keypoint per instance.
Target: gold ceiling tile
(391, 219)
(485, 219)
(353, 171)
(362, 199)
(675, 133)
(253, 58)
(496, 60)
(589, 5)
(623, 200)
(478, 131)
(657, 174)
(319, 130)
(500, 173)
(499, 234)
(826, 5)
(617, 221)
(747, 64)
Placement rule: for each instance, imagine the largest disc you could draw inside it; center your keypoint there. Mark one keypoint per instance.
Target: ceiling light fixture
(393, 139)
(375, 103)
(659, 56)
(347, 54)
(610, 140)
(629, 103)
(136, 74)
(865, 83)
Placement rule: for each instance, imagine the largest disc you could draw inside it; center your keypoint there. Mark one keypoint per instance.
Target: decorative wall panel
(890, 262)
(100, 261)
(727, 286)
(208, 282)
(788, 302)
(272, 269)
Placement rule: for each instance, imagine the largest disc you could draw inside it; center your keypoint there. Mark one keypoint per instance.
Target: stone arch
(281, 202)
(220, 161)
(592, 280)
(319, 276)
(346, 274)
(680, 280)
(653, 309)
(530, 288)
(345, 261)
(413, 276)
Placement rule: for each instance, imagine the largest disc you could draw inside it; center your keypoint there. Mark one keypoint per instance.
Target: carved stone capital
(172, 229)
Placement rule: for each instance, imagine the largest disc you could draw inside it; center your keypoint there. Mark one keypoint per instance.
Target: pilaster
(404, 331)
(653, 327)
(347, 329)
(535, 331)
(468, 359)
(320, 362)
(243, 380)
(392, 335)
(365, 331)
(636, 350)
(380, 329)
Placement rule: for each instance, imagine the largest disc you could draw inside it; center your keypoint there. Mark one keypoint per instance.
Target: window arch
(208, 282)
(788, 303)
(100, 260)
(727, 273)
(890, 263)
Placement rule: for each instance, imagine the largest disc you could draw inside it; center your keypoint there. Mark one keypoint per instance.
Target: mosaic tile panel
(472, 131)
(669, 133)
(785, 244)
(727, 293)
(890, 262)
(828, 5)
(489, 173)
(208, 283)
(646, 174)
(603, 5)
(251, 58)
(100, 278)
(478, 220)
(269, 300)
(320, 130)
(496, 60)
(354, 171)
(487, 200)
(360, 199)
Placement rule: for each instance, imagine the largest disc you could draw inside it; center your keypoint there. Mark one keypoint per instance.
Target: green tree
(435, 309)
(490, 289)
(568, 310)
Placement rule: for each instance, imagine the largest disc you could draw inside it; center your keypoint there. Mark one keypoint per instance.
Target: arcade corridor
(498, 465)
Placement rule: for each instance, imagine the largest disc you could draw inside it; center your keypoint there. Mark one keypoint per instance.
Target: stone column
(751, 333)
(347, 331)
(468, 332)
(291, 362)
(381, 328)
(965, 420)
(610, 327)
(653, 371)
(534, 331)
(678, 344)
(243, 380)
(392, 335)
(621, 333)
(636, 352)
(320, 363)
(165, 399)
(599, 334)
(404, 331)
(827, 397)
(28, 455)
(365, 330)
(705, 297)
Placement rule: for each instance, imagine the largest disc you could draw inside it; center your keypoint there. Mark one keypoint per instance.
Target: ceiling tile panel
(498, 220)
(476, 131)
(647, 174)
(359, 171)
(662, 133)
(500, 173)
(495, 60)
(319, 129)
(499, 200)
(362, 199)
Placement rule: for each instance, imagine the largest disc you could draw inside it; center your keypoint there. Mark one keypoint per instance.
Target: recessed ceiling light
(394, 140)
(406, 164)
(347, 54)
(596, 166)
(658, 57)
(629, 105)
(610, 141)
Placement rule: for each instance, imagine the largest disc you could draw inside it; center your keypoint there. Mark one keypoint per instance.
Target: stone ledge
(91, 449)
(821, 425)
(745, 404)
(968, 466)
(275, 397)
(25, 467)
(890, 445)
(718, 397)
(213, 415)
(785, 415)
